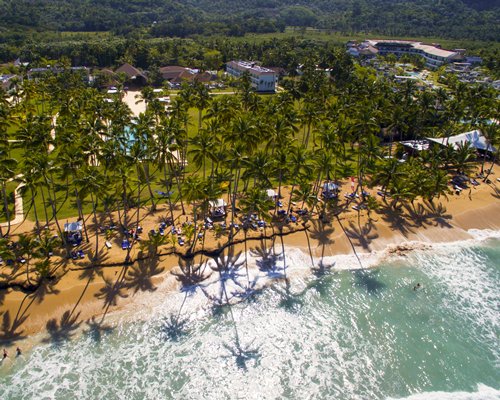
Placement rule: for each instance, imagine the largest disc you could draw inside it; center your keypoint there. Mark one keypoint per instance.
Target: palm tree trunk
(6, 206)
(492, 164)
(80, 214)
(37, 223)
(44, 207)
(94, 212)
(54, 207)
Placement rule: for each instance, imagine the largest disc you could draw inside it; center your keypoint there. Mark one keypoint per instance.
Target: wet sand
(84, 293)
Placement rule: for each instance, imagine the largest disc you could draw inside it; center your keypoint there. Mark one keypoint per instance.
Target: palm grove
(72, 151)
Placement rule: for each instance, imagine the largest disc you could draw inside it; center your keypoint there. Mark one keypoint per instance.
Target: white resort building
(433, 54)
(263, 79)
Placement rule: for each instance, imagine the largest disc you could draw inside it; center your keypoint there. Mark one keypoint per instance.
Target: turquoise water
(341, 334)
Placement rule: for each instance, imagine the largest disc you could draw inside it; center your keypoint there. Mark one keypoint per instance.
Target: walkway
(18, 204)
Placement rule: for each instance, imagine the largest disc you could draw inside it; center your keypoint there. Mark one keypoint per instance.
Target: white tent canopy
(271, 193)
(330, 187)
(474, 138)
(218, 203)
(73, 226)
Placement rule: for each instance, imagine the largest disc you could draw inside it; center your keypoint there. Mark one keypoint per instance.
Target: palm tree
(92, 184)
(7, 172)
(202, 147)
(201, 99)
(194, 190)
(25, 246)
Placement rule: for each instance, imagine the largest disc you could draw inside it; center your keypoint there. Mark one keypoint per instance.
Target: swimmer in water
(416, 287)
(18, 352)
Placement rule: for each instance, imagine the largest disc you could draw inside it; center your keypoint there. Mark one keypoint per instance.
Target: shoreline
(85, 295)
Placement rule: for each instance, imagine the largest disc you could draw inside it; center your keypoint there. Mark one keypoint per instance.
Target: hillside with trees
(444, 18)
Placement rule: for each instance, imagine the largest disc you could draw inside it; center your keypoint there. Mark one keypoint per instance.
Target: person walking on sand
(18, 352)
(5, 355)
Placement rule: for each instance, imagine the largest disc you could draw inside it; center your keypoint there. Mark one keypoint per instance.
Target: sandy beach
(83, 293)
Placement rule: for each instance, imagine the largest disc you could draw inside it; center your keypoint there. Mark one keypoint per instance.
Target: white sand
(135, 104)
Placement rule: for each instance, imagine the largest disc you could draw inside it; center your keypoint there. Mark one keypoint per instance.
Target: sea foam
(483, 393)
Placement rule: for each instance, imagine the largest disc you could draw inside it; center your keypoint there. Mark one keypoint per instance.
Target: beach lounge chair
(80, 254)
(181, 242)
(108, 244)
(125, 245)
(164, 194)
(293, 218)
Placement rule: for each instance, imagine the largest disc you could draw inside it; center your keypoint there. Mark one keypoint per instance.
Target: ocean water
(339, 332)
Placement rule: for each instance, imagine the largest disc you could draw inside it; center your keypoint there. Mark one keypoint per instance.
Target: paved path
(18, 204)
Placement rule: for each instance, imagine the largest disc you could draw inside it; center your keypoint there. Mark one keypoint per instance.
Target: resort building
(132, 74)
(433, 54)
(263, 79)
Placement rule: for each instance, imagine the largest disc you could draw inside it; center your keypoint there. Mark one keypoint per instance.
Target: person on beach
(18, 352)
(5, 355)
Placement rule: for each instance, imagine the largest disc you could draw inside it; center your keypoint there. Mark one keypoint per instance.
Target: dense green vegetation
(73, 152)
(444, 18)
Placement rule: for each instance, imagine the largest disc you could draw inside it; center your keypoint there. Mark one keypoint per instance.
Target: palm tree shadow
(243, 355)
(396, 221)
(111, 291)
(10, 332)
(496, 192)
(190, 275)
(229, 266)
(46, 287)
(322, 232)
(174, 328)
(361, 235)
(323, 281)
(438, 214)
(139, 276)
(368, 280)
(63, 330)
(266, 258)
(289, 301)
(96, 329)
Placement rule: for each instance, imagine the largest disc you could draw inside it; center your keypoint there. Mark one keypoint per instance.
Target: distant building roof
(251, 67)
(433, 50)
(131, 71)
